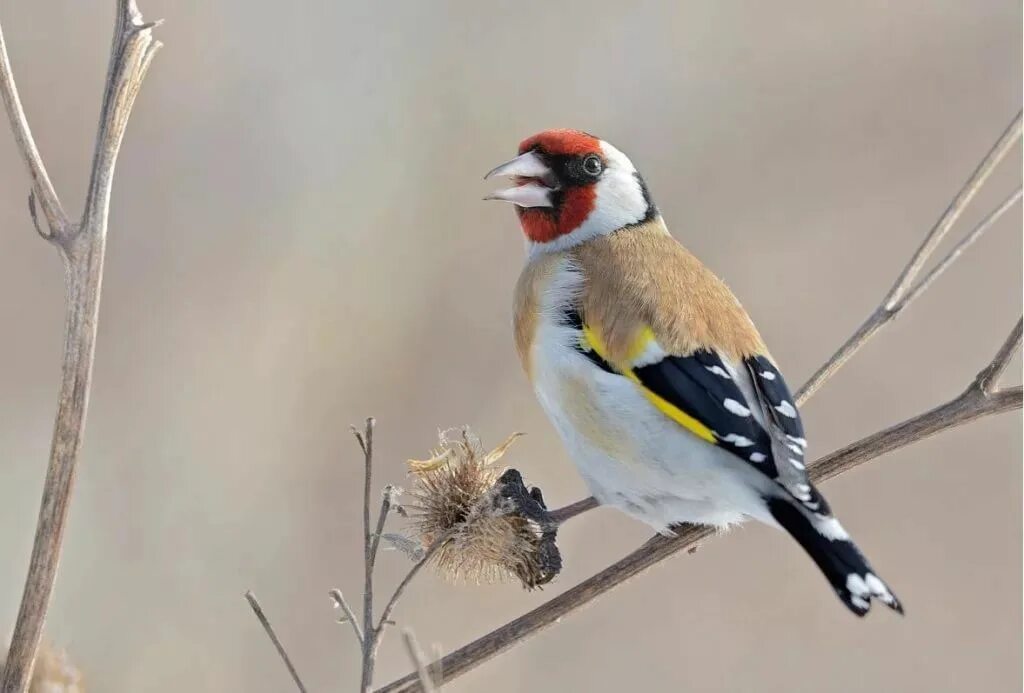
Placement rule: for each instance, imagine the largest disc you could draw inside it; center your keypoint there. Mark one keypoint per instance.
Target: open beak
(533, 178)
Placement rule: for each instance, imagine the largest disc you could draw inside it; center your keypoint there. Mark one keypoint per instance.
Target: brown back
(642, 277)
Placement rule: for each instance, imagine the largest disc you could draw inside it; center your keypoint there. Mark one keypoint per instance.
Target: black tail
(838, 558)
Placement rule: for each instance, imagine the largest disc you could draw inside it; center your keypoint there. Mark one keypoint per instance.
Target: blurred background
(298, 240)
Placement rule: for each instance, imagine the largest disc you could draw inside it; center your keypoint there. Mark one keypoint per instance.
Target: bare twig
(366, 443)
(41, 185)
(372, 635)
(339, 601)
(81, 247)
(966, 408)
(561, 515)
(419, 662)
(897, 298)
(952, 256)
(386, 504)
(975, 402)
(393, 602)
(989, 376)
(999, 150)
(258, 610)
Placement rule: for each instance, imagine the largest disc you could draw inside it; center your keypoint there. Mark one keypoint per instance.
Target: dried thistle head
(495, 527)
(53, 672)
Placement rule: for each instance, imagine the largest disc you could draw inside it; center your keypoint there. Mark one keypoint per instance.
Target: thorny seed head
(457, 491)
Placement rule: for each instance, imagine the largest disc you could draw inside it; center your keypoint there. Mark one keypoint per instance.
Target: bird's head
(570, 187)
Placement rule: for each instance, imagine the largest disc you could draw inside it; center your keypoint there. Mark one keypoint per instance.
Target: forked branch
(81, 245)
(42, 188)
(269, 629)
(903, 291)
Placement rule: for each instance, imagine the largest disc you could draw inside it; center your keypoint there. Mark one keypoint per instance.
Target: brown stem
(567, 512)
(956, 207)
(347, 614)
(82, 248)
(366, 443)
(385, 615)
(42, 188)
(988, 377)
(265, 622)
(903, 291)
(419, 662)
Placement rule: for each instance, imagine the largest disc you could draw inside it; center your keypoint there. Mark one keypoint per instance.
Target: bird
(650, 370)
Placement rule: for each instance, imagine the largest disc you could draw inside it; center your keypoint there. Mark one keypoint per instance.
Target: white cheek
(620, 201)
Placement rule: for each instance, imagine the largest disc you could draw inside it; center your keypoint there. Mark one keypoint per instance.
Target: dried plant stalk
(81, 245)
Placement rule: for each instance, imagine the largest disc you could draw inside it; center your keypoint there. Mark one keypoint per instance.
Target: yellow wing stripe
(645, 337)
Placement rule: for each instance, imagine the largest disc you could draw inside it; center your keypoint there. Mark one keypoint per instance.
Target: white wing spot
(831, 529)
(797, 463)
(757, 457)
(856, 585)
(719, 371)
(802, 442)
(735, 407)
(786, 409)
(875, 585)
(767, 375)
(795, 448)
(801, 491)
(738, 440)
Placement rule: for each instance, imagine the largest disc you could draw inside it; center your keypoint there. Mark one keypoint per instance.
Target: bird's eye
(593, 165)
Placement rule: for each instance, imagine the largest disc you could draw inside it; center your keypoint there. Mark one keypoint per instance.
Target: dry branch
(81, 246)
(903, 292)
(365, 440)
(348, 615)
(419, 662)
(385, 615)
(265, 622)
(41, 185)
(573, 509)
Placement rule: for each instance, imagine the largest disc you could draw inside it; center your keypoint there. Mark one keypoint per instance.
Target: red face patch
(544, 224)
(573, 204)
(562, 143)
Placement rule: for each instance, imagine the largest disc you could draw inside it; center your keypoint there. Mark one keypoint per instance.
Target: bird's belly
(634, 457)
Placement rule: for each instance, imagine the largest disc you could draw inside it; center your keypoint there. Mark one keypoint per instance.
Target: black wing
(702, 387)
(701, 393)
(786, 430)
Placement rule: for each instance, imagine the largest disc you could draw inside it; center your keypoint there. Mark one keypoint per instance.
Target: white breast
(630, 454)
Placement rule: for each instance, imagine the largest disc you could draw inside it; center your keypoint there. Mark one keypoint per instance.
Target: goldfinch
(651, 371)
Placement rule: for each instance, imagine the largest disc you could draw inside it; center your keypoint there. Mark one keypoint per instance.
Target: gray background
(297, 240)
